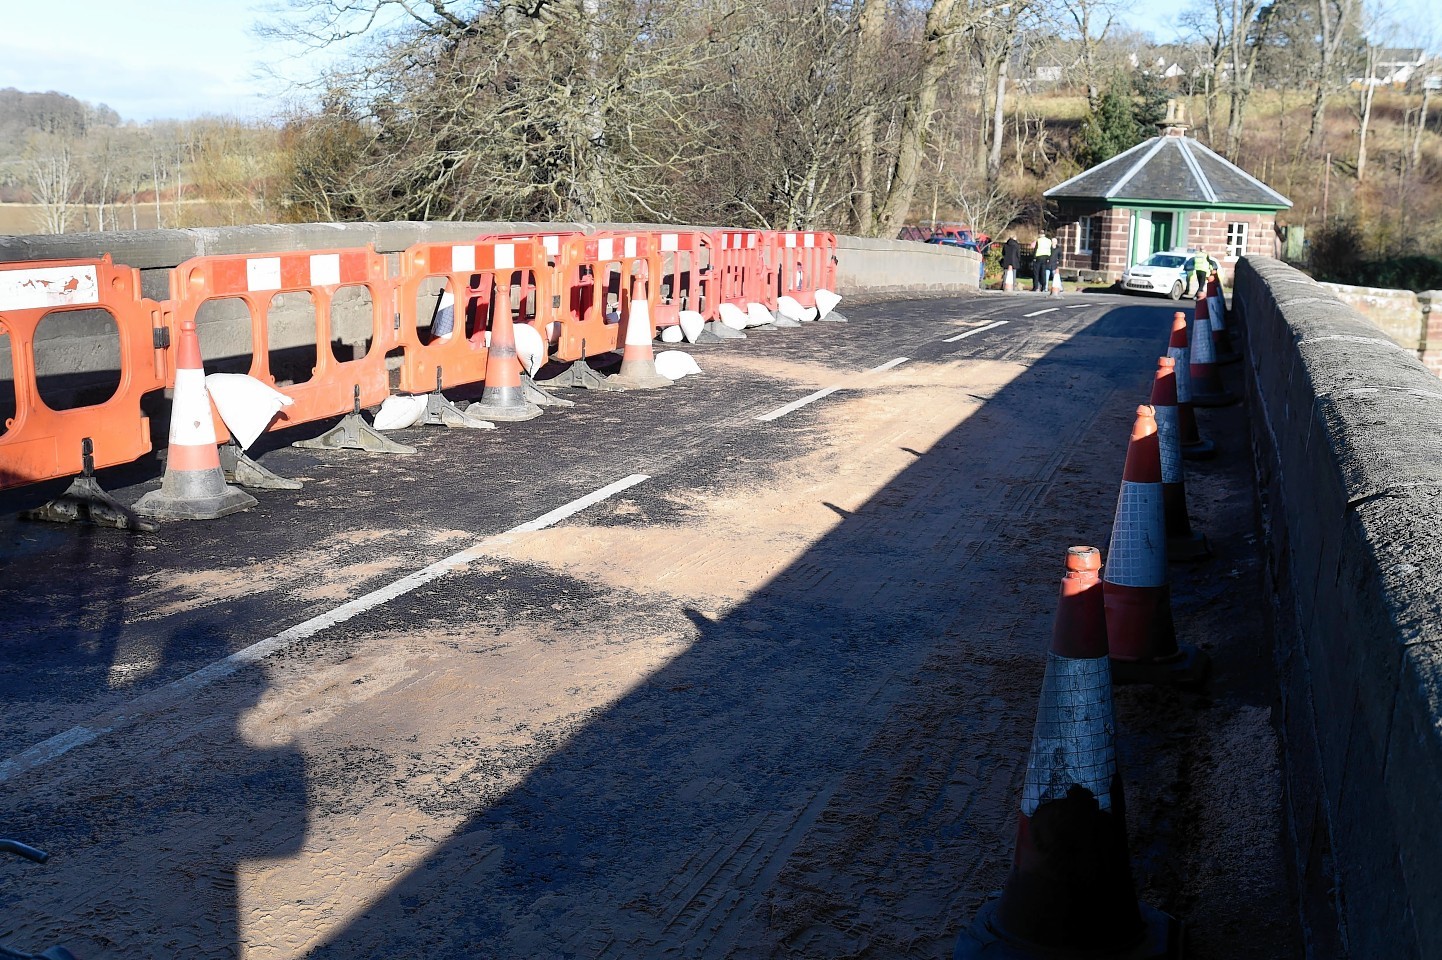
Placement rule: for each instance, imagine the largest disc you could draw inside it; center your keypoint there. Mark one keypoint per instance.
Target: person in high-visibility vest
(1041, 262)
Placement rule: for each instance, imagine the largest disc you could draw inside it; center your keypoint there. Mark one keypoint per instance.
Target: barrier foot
(353, 433)
(580, 376)
(720, 331)
(706, 336)
(242, 471)
(532, 391)
(1161, 939)
(84, 502)
(779, 319)
(1189, 668)
(833, 317)
(1190, 548)
(440, 412)
(1201, 450)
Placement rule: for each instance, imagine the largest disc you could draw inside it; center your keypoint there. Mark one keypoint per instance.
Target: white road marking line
(62, 743)
(972, 333)
(794, 405)
(1037, 313)
(1078, 306)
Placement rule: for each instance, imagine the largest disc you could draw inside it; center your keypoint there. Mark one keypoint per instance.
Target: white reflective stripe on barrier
(40, 287)
(751, 241)
(463, 258)
(1073, 739)
(1169, 436)
(262, 274)
(630, 247)
(808, 240)
(670, 242)
(324, 269)
(552, 245)
(790, 239)
(505, 256)
(1137, 555)
(604, 249)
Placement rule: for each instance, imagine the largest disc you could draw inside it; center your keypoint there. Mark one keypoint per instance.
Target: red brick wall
(1207, 229)
(1111, 253)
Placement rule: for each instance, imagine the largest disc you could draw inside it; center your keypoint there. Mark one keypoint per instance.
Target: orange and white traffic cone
(1207, 388)
(1138, 592)
(1194, 447)
(1008, 279)
(638, 360)
(504, 398)
(1217, 315)
(1070, 892)
(1183, 543)
(194, 486)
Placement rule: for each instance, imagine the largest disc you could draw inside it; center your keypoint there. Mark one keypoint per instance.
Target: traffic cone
(1142, 637)
(1194, 447)
(194, 486)
(1183, 543)
(1207, 388)
(1008, 279)
(1217, 315)
(503, 398)
(1070, 892)
(638, 360)
(1056, 288)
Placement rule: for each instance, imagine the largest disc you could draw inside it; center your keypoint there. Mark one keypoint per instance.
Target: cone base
(1189, 547)
(510, 410)
(1219, 399)
(162, 506)
(642, 382)
(1201, 450)
(1161, 940)
(1189, 667)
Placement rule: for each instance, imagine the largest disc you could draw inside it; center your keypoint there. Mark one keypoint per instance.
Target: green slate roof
(1171, 168)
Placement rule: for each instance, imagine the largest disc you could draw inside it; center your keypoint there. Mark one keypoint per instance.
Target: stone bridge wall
(1349, 459)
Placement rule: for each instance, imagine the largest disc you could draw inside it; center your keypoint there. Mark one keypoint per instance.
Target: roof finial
(1175, 123)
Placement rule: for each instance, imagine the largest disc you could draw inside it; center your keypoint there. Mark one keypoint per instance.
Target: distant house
(1167, 193)
(1396, 66)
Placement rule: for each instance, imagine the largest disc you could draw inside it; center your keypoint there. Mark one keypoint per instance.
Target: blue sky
(152, 59)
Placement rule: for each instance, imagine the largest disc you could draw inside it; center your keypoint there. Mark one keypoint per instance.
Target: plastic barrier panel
(596, 278)
(687, 277)
(739, 269)
(801, 264)
(297, 311)
(445, 297)
(45, 440)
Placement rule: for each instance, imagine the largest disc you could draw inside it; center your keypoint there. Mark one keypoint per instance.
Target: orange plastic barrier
(470, 271)
(739, 269)
(334, 385)
(801, 264)
(686, 277)
(596, 275)
(41, 443)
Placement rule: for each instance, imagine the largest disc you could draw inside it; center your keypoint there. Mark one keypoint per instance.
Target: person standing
(1010, 260)
(1041, 262)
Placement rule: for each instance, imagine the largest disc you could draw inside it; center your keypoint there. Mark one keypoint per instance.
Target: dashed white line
(972, 333)
(62, 743)
(1078, 306)
(1037, 313)
(795, 405)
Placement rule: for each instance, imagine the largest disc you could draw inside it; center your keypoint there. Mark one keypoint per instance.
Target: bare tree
(1090, 21)
(1334, 17)
(53, 178)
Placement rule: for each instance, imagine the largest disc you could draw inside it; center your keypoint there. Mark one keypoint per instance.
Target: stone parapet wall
(1345, 426)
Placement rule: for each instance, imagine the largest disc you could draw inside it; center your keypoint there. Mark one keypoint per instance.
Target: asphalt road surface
(698, 672)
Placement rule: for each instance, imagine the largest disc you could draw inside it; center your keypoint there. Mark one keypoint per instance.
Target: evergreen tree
(1113, 127)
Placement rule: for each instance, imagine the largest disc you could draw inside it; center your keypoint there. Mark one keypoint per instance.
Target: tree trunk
(917, 118)
(1416, 157)
(998, 120)
(1330, 40)
(1369, 90)
(869, 30)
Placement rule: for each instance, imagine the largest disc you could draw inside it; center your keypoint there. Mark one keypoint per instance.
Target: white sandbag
(675, 364)
(397, 413)
(732, 316)
(671, 334)
(553, 331)
(809, 314)
(826, 301)
(692, 324)
(530, 347)
(791, 308)
(246, 406)
(757, 315)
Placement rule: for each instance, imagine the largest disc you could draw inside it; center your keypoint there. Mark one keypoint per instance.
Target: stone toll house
(1169, 192)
